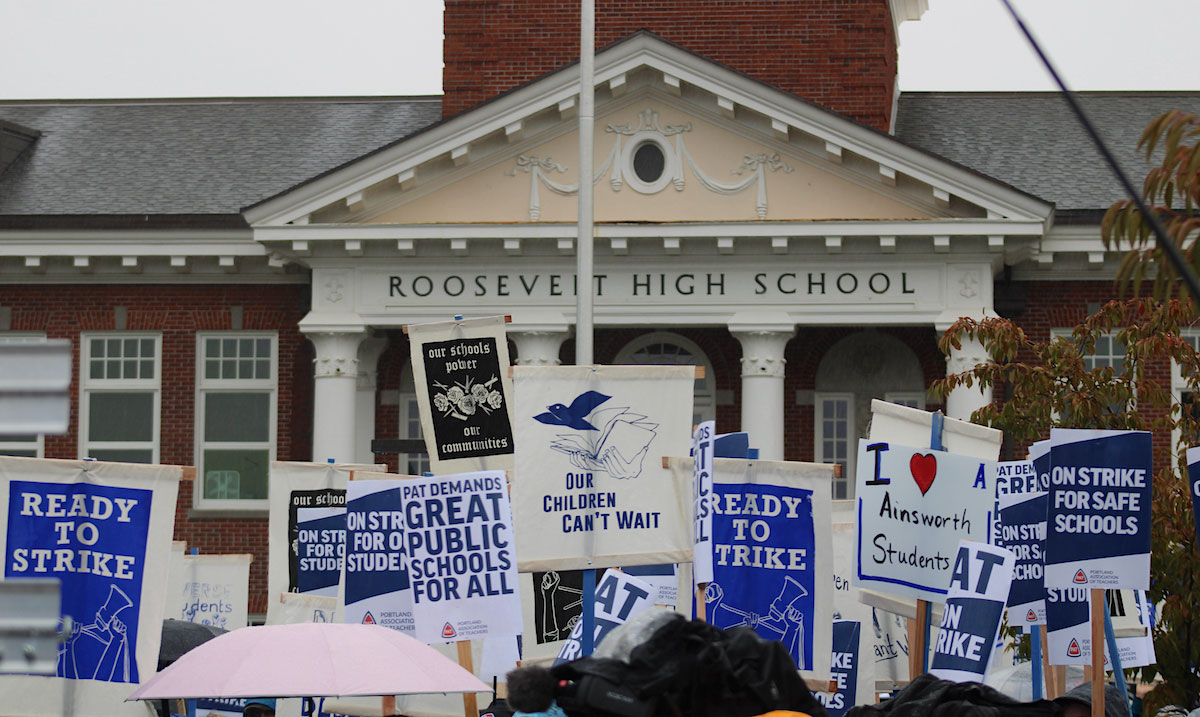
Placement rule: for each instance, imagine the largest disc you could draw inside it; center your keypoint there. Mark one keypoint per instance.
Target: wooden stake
(470, 708)
(701, 605)
(1098, 607)
(389, 705)
(916, 641)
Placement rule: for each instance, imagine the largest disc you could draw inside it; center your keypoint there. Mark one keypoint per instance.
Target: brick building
(234, 274)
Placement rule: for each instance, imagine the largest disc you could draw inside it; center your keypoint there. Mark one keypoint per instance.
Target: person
(259, 707)
(1078, 702)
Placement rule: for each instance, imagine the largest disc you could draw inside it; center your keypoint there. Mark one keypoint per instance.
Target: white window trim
(38, 445)
(408, 399)
(205, 386)
(851, 439)
(1179, 384)
(88, 386)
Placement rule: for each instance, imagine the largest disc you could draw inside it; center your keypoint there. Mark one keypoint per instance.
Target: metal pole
(583, 250)
(583, 253)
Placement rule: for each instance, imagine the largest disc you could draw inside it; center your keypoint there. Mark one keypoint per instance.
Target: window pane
(121, 417)
(212, 348)
(131, 347)
(262, 348)
(212, 369)
(113, 347)
(97, 370)
(264, 368)
(245, 348)
(147, 370)
(235, 474)
(240, 417)
(97, 348)
(122, 455)
(23, 452)
(131, 368)
(245, 369)
(228, 347)
(229, 369)
(114, 369)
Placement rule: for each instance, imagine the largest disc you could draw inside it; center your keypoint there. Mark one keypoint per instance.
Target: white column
(367, 382)
(538, 347)
(335, 384)
(762, 388)
(964, 401)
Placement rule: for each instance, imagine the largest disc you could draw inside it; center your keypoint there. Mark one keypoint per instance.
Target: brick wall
(178, 312)
(837, 53)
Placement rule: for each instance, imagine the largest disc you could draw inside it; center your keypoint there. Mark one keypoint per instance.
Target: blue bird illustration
(573, 416)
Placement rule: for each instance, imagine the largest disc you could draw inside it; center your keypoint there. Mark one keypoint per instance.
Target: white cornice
(866, 228)
(645, 51)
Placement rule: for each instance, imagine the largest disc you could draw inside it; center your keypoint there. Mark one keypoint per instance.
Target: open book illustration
(613, 440)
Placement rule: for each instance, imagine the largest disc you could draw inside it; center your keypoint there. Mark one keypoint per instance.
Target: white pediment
(733, 150)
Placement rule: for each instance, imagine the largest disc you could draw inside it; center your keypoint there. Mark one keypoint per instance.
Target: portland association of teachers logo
(612, 440)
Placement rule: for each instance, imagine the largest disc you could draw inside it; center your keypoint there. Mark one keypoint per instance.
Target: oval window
(649, 162)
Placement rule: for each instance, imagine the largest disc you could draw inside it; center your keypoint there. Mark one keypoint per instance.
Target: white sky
(182, 48)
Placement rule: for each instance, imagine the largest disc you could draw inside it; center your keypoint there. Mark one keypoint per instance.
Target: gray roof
(190, 157)
(1032, 141)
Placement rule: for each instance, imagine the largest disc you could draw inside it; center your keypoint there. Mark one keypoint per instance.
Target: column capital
(538, 346)
(762, 349)
(337, 353)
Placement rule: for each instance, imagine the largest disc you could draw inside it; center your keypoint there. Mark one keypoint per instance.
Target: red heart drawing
(923, 469)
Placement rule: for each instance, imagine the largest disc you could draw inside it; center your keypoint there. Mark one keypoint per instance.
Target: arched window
(663, 348)
(862, 366)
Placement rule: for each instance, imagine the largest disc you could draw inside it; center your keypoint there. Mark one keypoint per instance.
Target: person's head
(259, 707)
(1078, 702)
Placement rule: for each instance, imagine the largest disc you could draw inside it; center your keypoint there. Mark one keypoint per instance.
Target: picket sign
(915, 427)
(464, 393)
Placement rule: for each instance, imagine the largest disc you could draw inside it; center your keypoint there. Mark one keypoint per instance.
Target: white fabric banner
(104, 530)
(292, 608)
(215, 590)
(847, 606)
(296, 486)
(460, 369)
(589, 481)
(703, 441)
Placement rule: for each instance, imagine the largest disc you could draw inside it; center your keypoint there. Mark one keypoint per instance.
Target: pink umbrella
(309, 660)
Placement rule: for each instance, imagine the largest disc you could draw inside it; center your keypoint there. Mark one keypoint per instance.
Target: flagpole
(583, 251)
(583, 254)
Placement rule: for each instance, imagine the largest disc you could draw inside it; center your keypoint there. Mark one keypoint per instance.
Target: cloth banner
(703, 441)
(215, 590)
(914, 505)
(460, 369)
(773, 554)
(552, 603)
(1023, 531)
(292, 608)
(104, 530)
(851, 648)
(458, 537)
(883, 657)
(311, 496)
(589, 483)
(618, 597)
(1098, 526)
(1193, 463)
(979, 586)
(375, 583)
